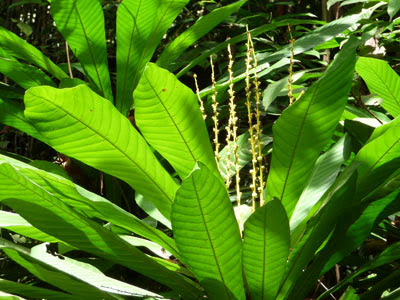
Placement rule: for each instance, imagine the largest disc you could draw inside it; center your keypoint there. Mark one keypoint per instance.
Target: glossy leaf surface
(382, 80)
(81, 22)
(305, 128)
(140, 28)
(195, 32)
(168, 115)
(87, 127)
(207, 234)
(19, 48)
(266, 249)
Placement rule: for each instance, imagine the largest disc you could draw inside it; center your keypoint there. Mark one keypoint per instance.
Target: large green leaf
(12, 114)
(80, 279)
(339, 199)
(393, 8)
(307, 42)
(91, 204)
(379, 152)
(82, 125)
(81, 22)
(24, 75)
(16, 223)
(207, 234)
(195, 32)
(18, 47)
(32, 291)
(266, 249)
(304, 128)
(168, 115)
(324, 174)
(140, 28)
(51, 215)
(382, 80)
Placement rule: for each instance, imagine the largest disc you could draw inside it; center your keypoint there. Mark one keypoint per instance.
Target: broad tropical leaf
(266, 249)
(51, 215)
(12, 114)
(310, 40)
(380, 152)
(393, 8)
(75, 277)
(324, 174)
(81, 22)
(195, 32)
(30, 291)
(207, 234)
(338, 200)
(91, 204)
(140, 28)
(19, 48)
(16, 223)
(305, 128)
(85, 126)
(168, 115)
(382, 80)
(24, 75)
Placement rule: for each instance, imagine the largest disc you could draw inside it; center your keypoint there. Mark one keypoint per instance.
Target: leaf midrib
(113, 145)
(90, 48)
(209, 236)
(171, 118)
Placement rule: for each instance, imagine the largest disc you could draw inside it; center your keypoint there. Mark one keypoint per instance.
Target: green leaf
(350, 294)
(24, 75)
(12, 114)
(32, 291)
(51, 215)
(195, 32)
(168, 115)
(16, 223)
(339, 199)
(241, 37)
(393, 8)
(91, 204)
(140, 28)
(84, 126)
(207, 234)
(379, 151)
(324, 174)
(305, 127)
(18, 47)
(266, 249)
(81, 22)
(78, 278)
(382, 80)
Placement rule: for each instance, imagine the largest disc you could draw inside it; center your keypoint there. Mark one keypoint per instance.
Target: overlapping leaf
(82, 125)
(168, 115)
(207, 234)
(266, 249)
(18, 47)
(12, 114)
(24, 75)
(382, 80)
(51, 215)
(91, 204)
(81, 22)
(140, 28)
(195, 32)
(305, 128)
(77, 278)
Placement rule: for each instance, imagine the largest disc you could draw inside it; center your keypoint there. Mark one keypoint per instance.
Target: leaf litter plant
(314, 210)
